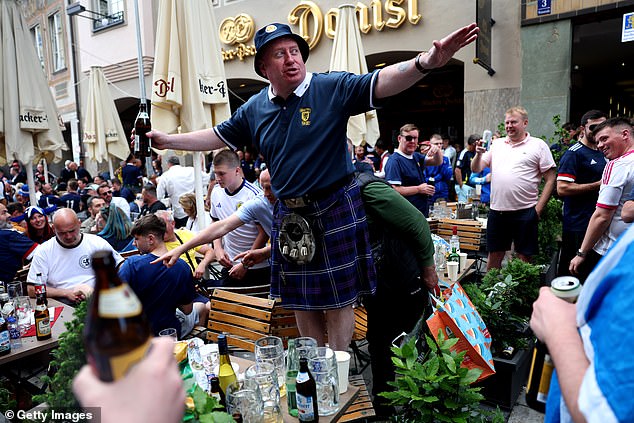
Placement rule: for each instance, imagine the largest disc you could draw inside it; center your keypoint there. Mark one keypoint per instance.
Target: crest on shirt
(84, 262)
(305, 113)
(240, 203)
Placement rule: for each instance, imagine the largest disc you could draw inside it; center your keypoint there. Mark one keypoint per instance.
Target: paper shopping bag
(456, 317)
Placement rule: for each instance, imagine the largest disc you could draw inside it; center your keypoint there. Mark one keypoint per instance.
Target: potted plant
(434, 387)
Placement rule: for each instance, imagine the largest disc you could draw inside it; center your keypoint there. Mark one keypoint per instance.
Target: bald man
(65, 261)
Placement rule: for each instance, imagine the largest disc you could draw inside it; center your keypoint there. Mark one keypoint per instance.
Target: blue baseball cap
(272, 32)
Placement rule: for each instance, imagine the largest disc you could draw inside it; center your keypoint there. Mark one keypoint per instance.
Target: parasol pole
(30, 180)
(45, 164)
(139, 48)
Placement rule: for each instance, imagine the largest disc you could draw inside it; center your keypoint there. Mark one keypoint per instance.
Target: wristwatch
(420, 67)
(581, 253)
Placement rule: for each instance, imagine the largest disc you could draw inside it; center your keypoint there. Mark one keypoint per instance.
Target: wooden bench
(472, 234)
(361, 407)
(245, 319)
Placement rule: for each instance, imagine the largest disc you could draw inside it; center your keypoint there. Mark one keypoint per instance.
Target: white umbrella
(30, 122)
(103, 133)
(347, 55)
(189, 84)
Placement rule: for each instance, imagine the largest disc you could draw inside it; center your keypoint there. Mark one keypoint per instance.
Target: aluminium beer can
(566, 287)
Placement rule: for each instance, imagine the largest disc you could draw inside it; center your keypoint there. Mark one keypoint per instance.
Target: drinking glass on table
(264, 375)
(270, 349)
(323, 365)
(245, 398)
(14, 289)
(171, 332)
(23, 311)
(305, 346)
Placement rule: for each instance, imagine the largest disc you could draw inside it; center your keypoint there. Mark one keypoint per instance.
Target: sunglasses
(106, 193)
(409, 137)
(592, 127)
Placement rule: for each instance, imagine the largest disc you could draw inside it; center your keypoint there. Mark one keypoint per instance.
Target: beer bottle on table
(306, 393)
(226, 375)
(292, 368)
(216, 392)
(42, 316)
(142, 125)
(117, 334)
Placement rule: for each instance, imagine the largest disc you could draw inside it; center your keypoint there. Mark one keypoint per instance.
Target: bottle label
(137, 142)
(117, 302)
(305, 407)
(120, 364)
(43, 326)
(5, 341)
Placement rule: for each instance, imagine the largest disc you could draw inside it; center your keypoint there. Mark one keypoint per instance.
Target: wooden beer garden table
(30, 344)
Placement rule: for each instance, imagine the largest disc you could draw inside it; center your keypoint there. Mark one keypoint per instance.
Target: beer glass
(264, 376)
(23, 311)
(270, 349)
(305, 346)
(14, 289)
(244, 398)
(323, 365)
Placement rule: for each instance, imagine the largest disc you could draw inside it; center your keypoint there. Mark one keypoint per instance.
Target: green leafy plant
(549, 231)
(7, 402)
(504, 300)
(68, 358)
(437, 388)
(206, 409)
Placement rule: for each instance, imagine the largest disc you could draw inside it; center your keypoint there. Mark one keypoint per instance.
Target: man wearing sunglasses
(404, 172)
(578, 182)
(105, 192)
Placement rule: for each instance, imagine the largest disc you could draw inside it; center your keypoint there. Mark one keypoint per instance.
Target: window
(36, 31)
(57, 42)
(110, 12)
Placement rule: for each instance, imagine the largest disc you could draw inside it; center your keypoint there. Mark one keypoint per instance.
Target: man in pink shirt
(518, 163)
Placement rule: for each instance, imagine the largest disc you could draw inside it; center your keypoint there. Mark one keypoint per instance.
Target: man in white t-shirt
(65, 262)
(230, 192)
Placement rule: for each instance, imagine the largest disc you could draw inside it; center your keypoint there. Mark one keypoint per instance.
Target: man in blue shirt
(442, 174)
(578, 182)
(167, 294)
(298, 123)
(404, 169)
(15, 247)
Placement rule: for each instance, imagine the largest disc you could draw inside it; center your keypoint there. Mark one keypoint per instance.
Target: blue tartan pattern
(341, 270)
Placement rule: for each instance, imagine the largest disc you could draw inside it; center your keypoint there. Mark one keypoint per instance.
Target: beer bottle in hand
(142, 125)
(42, 316)
(117, 334)
(306, 393)
(226, 374)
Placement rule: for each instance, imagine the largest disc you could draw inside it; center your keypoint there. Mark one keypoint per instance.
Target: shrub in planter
(436, 388)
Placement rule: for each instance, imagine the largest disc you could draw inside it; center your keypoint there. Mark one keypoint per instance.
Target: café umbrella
(347, 55)
(189, 89)
(30, 126)
(103, 138)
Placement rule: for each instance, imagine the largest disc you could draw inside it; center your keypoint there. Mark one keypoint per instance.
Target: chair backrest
(360, 323)
(260, 291)
(246, 318)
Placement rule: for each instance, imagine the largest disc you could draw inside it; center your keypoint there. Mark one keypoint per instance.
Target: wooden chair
(361, 358)
(246, 318)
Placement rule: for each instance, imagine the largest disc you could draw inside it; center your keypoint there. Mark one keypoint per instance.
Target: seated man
(15, 247)
(176, 237)
(64, 262)
(167, 294)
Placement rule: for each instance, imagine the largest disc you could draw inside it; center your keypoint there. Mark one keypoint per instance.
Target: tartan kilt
(342, 269)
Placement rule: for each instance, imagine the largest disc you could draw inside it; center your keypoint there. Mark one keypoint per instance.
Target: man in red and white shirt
(616, 142)
(518, 163)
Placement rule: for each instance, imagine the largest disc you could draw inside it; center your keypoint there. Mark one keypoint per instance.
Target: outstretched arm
(207, 235)
(203, 140)
(400, 76)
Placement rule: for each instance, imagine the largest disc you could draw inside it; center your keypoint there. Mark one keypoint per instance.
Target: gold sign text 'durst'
(386, 13)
